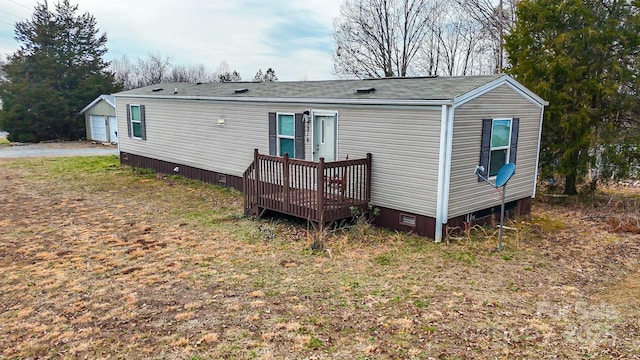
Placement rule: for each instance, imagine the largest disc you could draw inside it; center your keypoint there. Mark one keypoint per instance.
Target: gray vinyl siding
(187, 132)
(466, 193)
(404, 144)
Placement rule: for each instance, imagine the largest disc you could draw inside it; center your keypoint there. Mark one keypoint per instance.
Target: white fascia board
(509, 81)
(442, 170)
(110, 99)
(294, 100)
(535, 177)
(95, 101)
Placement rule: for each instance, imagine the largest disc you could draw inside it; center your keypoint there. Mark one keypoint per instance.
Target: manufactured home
(320, 149)
(100, 119)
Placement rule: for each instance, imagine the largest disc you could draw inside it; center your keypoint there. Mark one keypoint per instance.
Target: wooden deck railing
(321, 191)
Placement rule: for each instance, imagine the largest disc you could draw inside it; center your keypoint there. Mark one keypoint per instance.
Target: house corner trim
(444, 165)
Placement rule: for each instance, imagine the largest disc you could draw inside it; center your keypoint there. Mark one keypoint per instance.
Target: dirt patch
(99, 261)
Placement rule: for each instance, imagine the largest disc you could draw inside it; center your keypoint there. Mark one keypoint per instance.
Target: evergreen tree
(57, 70)
(233, 76)
(581, 56)
(259, 77)
(270, 75)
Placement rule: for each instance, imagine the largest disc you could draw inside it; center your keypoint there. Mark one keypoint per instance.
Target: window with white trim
(286, 134)
(500, 143)
(136, 121)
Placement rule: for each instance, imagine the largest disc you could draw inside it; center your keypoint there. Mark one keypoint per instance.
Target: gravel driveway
(70, 148)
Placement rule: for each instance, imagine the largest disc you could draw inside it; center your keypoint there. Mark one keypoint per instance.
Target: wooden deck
(320, 192)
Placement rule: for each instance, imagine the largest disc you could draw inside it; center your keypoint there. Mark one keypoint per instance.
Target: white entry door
(113, 129)
(98, 128)
(325, 133)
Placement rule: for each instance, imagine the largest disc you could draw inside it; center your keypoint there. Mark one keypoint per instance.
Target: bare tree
(191, 73)
(379, 38)
(125, 72)
(154, 69)
(453, 45)
(496, 18)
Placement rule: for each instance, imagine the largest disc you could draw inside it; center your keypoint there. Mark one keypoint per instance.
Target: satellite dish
(504, 174)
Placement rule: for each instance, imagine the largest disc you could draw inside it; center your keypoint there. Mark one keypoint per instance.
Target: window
(500, 136)
(286, 134)
(136, 121)
(499, 144)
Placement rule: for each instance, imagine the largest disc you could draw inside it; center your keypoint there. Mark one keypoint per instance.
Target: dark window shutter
(513, 150)
(143, 125)
(128, 119)
(299, 145)
(273, 134)
(485, 147)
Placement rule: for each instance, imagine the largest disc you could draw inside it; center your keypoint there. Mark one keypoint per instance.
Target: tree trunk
(570, 184)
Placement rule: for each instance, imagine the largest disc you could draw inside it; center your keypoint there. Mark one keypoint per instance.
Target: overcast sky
(291, 36)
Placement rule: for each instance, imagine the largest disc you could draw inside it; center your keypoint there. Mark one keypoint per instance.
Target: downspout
(443, 169)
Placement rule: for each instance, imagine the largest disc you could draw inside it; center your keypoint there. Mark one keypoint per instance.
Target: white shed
(100, 119)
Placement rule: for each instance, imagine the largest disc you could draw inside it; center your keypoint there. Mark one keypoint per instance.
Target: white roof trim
(505, 79)
(294, 100)
(109, 99)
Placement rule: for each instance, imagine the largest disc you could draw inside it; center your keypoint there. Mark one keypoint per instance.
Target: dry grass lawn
(102, 261)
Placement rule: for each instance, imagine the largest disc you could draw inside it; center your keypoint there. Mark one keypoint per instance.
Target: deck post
(320, 192)
(285, 181)
(256, 179)
(368, 181)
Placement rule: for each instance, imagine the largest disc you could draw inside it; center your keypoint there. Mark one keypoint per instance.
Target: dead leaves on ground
(123, 272)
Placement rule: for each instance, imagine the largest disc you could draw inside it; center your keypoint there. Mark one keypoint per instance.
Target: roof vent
(365, 90)
(157, 89)
(199, 83)
(240, 91)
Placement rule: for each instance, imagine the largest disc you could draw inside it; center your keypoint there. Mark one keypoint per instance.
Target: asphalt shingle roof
(423, 88)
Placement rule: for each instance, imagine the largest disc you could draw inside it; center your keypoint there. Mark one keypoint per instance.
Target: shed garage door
(113, 129)
(98, 128)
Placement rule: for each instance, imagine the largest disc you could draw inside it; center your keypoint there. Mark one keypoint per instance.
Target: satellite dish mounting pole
(504, 194)
(504, 175)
